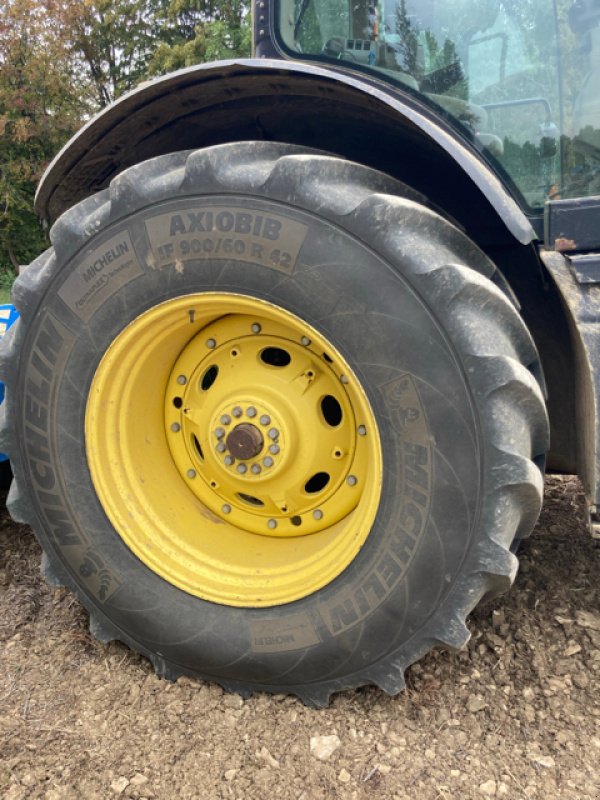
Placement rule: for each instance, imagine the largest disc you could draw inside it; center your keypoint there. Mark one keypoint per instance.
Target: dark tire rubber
(426, 322)
(6, 475)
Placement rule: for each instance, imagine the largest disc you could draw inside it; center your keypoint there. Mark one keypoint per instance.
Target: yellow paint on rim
(233, 449)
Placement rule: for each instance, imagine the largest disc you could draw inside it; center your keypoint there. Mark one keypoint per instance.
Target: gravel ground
(515, 715)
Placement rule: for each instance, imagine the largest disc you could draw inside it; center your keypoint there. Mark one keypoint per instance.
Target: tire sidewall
(415, 381)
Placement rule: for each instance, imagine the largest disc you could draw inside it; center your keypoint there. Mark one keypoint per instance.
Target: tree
(112, 41)
(203, 30)
(65, 59)
(39, 110)
(408, 48)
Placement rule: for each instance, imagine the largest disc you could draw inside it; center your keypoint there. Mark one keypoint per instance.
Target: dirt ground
(516, 715)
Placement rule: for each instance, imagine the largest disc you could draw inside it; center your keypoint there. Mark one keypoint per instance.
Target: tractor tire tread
(458, 281)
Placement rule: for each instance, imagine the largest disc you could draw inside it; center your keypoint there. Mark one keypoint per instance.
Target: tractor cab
(520, 79)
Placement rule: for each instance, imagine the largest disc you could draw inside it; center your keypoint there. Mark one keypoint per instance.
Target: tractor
(312, 327)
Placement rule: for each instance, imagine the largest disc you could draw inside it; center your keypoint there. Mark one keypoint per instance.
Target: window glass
(520, 77)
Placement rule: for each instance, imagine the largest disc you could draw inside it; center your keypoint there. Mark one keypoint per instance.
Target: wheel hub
(245, 430)
(244, 442)
(261, 423)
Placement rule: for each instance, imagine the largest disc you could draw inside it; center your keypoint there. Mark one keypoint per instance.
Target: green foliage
(7, 278)
(38, 112)
(309, 34)
(203, 31)
(409, 40)
(444, 67)
(62, 60)
(112, 41)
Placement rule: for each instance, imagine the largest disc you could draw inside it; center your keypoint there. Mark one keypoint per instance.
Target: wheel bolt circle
(181, 380)
(191, 473)
(362, 430)
(273, 433)
(255, 327)
(175, 427)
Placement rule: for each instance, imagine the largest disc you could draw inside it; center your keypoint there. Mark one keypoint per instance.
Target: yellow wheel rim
(233, 449)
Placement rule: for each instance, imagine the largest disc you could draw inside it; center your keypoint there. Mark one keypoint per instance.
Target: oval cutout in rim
(209, 377)
(275, 357)
(248, 498)
(317, 483)
(332, 410)
(198, 447)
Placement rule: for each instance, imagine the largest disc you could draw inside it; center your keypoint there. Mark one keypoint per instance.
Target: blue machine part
(8, 316)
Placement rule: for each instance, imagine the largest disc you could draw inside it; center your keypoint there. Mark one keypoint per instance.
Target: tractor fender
(370, 122)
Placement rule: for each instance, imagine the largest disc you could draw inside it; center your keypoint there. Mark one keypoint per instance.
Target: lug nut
(362, 431)
(229, 460)
(242, 468)
(211, 343)
(274, 448)
(237, 412)
(351, 480)
(251, 411)
(268, 461)
(220, 433)
(343, 379)
(175, 427)
(318, 514)
(265, 419)
(191, 473)
(273, 433)
(226, 508)
(226, 419)
(181, 380)
(256, 469)
(272, 523)
(255, 327)
(305, 341)
(221, 447)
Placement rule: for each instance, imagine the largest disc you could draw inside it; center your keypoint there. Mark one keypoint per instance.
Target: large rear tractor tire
(275, 421)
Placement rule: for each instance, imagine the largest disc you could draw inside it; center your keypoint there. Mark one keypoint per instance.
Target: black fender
(340, 111)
